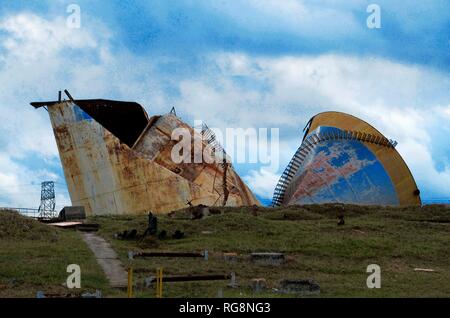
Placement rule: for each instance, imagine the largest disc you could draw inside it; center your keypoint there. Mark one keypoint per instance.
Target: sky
(249, 64)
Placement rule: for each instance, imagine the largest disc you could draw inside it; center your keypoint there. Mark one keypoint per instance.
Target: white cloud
(38, 57)
(33, 38)
(402, 101)
(309, 20)
(262, 182)
(16, 190)
(35, 58)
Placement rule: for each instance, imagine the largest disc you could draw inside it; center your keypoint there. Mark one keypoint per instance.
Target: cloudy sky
(266, 63)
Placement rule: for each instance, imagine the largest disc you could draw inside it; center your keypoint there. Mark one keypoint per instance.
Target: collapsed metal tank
(117, 160)
(343, 159)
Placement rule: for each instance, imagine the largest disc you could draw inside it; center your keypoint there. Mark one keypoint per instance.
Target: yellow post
(130, 282)
(159, 284)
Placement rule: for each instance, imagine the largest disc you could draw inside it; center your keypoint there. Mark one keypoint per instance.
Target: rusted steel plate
(108, 176)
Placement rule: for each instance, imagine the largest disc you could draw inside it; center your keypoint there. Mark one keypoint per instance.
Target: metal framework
(47, 207)
(208, 135)
(211, 139)
(309, 143)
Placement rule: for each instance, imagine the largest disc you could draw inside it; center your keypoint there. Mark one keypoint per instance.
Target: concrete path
(107, 259)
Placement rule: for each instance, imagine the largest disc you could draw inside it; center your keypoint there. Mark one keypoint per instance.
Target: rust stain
(109, 177)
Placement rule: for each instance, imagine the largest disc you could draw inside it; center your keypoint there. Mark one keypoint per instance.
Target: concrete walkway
(107, 259)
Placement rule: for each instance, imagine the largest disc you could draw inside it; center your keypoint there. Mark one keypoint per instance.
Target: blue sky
(243, 64)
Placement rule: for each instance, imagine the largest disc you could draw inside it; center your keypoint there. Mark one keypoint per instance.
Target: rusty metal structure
(117, 160)
(343, 159)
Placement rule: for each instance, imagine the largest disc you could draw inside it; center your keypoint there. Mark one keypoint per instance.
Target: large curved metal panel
(344, 159)
(111, 168)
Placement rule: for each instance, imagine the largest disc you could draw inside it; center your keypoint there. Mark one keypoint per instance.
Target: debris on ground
(274, 259)
(230, 257)
(301, 287)
(424, 270)
(88, 227)
(199, 212)
(340, 215)
(178, 235)
(70, 213)
(41, 294)
(258, 284)
(162, 235)
(127, 235)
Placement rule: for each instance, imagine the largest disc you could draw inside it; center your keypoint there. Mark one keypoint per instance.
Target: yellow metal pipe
(130, 282)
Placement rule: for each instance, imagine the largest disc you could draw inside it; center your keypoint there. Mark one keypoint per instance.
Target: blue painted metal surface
(334, 165)
(341, 170)
(80, 114)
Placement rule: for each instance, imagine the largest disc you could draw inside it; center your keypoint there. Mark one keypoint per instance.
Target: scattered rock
(126, 235)
(199, 212)
(162, 235)
(178, 235)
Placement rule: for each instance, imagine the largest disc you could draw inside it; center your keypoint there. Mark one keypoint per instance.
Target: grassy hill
(336, 257)
(34, 256)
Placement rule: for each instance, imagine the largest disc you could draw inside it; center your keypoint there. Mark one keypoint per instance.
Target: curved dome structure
(343, 159)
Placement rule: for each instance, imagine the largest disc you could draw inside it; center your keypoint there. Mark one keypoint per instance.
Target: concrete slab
(274, 259)
(299, 286)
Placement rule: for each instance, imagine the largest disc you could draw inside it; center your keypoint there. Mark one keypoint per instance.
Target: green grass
(34, 257)
(336, 257)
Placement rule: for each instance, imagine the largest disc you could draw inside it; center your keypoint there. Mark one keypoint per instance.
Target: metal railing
(29, 212)
(210, 137)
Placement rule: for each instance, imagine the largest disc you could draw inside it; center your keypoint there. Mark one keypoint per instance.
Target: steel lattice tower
(47, 207)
